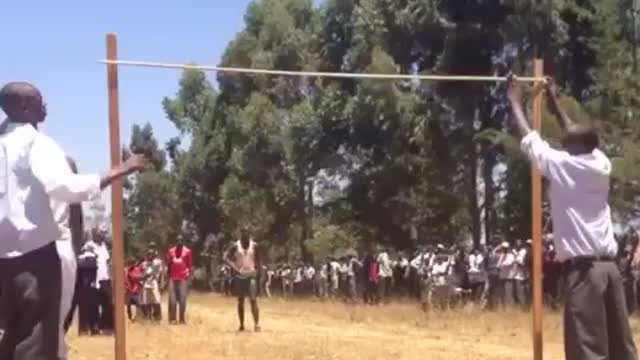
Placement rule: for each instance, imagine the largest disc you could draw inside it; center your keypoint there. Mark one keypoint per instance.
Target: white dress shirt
(36, 186)
(507, 265)
(384, 264)
(579, 195)
(103, 257)
(522, 272)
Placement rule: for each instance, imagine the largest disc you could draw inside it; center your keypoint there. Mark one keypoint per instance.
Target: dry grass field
(312, 330)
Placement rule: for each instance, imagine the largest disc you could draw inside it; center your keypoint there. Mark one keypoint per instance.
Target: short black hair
(584, 135)
(14, 91)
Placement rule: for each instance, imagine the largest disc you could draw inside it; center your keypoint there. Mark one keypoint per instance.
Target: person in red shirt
(180, 267)
(133, 278)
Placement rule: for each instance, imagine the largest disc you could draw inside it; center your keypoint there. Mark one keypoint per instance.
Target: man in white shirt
(596, 318)
(103, 281)
(322, 281)
(521, 274)
(152, 271)
(334, 277)
(385, 272)
(36, 186)
(506, 273)
(354, 265)
(477, 274)
(438, 294)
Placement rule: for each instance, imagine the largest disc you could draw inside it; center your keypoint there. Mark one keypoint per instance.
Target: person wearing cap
(596, 324)
(506, 273)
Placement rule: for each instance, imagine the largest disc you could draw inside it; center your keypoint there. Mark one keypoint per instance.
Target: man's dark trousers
(596, 323)
(30, 292)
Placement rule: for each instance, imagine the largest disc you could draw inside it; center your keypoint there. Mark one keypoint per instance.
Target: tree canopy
(319, 165)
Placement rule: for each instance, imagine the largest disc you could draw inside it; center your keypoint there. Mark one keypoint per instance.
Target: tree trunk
(489, 191)
(304, 218)
(471, 170)
(309, 216)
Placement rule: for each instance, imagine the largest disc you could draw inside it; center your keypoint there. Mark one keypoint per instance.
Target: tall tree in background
(363, 162)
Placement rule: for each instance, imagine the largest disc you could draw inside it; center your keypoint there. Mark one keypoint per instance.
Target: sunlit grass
(315, 330)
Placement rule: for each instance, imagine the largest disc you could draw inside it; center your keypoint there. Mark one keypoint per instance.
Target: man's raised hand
(514, 91)
(550, 86)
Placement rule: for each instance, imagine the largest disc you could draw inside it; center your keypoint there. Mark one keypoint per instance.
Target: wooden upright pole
(116, 202)
(536, 211)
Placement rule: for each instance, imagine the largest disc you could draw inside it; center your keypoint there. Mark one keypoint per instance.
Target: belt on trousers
(581, 260)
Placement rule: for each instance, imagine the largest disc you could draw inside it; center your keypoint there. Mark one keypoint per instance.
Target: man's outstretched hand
(514, 91)
(136, 162)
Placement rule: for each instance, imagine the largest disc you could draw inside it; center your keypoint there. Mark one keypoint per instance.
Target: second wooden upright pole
(117, 256)
(536, 231)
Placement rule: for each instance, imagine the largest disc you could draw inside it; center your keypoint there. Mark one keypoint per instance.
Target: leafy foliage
(319, 165)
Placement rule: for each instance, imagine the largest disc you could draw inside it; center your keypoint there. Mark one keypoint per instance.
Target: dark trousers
(371, 292)
(507, 292)
(87, 304)
(105, 305)
(74, 304)
(133, 301)
(596, 324)
(178, 292)
(521, 292)
(385, 288)
(30, 292)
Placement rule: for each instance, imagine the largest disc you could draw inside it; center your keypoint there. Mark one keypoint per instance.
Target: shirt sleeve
(546, 159)
(49, 165)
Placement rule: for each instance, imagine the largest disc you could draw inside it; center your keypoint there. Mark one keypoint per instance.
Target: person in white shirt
(298, 280)
(152, 271)
(334, 277)
(67, 250)
(267, 285)
(286, 275)
(477, 274)
(439, 288)
(36, 186)
(385, 273)
(103, 281)
(322, 281)
(596, 317)
(506, 273)
(353, 267)
(309, 277)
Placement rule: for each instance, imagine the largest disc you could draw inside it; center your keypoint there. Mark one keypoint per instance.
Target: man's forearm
(519, 119)
(115, 173)
(554, 106)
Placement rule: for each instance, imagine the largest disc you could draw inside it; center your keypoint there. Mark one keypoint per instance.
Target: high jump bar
(117, 191)
(314, 73)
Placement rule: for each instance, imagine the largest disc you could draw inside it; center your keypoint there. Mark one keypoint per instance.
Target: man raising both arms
(36, 186)
(243, 257)
(596, 324)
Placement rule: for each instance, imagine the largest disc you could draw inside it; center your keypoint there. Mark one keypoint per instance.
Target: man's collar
(7, 126)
